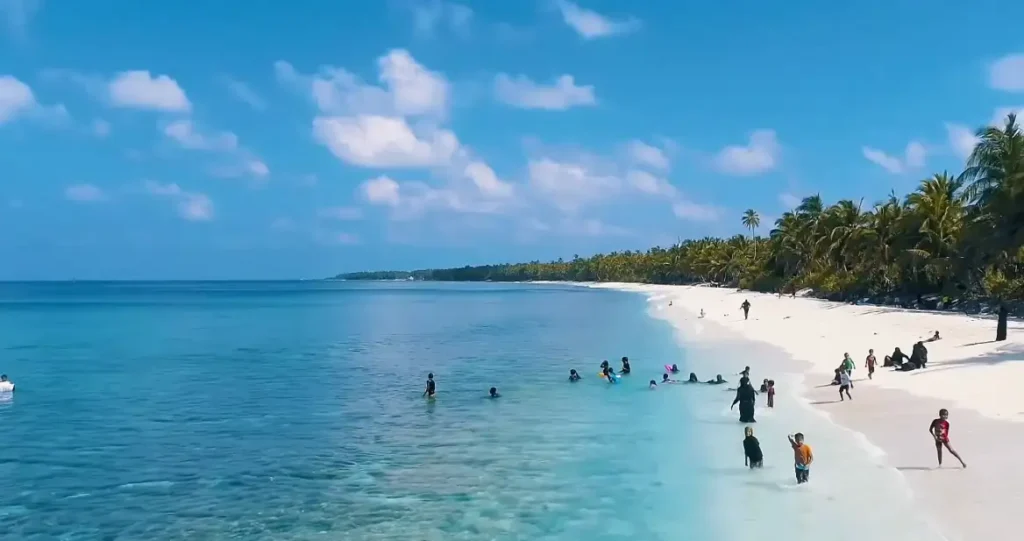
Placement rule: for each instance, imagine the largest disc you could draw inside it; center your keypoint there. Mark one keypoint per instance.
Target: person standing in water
(573, 375)
(745, 397)
(431, 386)
(771, 393)
(746, 308)
(870, 363)
(939, 429)
(6, 385)
(802, 458)
(494, 392)
(625, 365)
(752, 456)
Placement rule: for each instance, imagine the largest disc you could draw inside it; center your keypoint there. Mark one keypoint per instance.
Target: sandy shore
(977, 379)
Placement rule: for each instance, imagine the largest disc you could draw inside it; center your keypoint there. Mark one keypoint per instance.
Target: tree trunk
(1004, 314)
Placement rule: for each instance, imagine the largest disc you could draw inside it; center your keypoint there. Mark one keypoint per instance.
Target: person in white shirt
(844, 384)
(6, 386)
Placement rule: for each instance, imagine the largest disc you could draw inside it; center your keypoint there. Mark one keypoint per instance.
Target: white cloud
(429, 15)
(244, 93)
(647, 155)
(590, 24)
(570, 186)
(789, 200)
(487, 181)
(382, 191)
(650, 184)
(961, 139)
(1007, 73)
(915, 155)
(563, 94)
(15, 98)
(140, 90)
(914, 158)
(18, 100)
(100, 127)
(761, 154)
(376, 141)
(191, 206)
(185, 133)
(84, 193)
(695, 212)
(410, 200)
(409, 88)
(341, 213)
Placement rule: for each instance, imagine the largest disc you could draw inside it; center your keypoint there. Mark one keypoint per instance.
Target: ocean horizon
(293, 410)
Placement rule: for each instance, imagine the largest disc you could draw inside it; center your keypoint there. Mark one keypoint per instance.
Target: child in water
(752, 456)
(802, 457)
(494, 392)
(431, 386)
(771, 393)
(652, 385)
(573, 376)
(625, 365)
(665, 379)
(675, 369)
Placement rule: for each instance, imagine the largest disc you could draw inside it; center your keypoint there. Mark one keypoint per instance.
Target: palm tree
(995, 171)
(751, 221)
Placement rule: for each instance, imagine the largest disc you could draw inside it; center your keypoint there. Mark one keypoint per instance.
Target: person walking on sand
(939, 429)
(746, 308)
(802, 458)
(848, 366)
(844, 385)
(870, 363)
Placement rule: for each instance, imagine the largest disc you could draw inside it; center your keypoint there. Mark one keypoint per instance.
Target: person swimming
(652, 385)
(717, 381)
(675, 369)
(693, 378)
(666, 379)
(625, 365)
(6, 385)
(573, 376)
(608, 374)
(431, 386)
(494, 392)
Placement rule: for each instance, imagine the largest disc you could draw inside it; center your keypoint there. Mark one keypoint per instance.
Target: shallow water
(293, 411)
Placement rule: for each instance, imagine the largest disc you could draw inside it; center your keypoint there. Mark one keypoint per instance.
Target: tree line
(956, 242)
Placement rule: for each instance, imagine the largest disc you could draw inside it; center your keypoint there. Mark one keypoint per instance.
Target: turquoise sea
(293, 411)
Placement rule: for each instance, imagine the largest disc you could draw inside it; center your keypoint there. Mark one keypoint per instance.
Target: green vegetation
(957, 241)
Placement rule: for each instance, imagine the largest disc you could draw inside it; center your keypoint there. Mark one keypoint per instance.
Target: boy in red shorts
(939, 429)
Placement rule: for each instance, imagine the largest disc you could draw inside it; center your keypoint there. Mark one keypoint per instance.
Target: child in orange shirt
(802, 456)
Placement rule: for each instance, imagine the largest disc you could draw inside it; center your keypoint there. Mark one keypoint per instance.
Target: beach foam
(976, 378)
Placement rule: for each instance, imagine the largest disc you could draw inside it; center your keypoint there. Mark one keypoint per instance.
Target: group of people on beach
(939, 427)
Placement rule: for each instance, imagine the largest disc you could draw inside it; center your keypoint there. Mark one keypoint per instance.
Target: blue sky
(178, 140)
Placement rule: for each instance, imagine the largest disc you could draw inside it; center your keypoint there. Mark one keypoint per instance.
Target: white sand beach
(978, 380)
